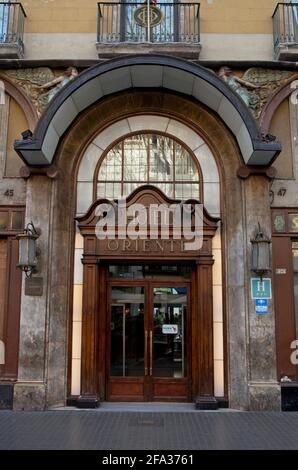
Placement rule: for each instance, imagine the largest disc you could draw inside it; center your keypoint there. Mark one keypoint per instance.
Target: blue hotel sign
(262, 306)
(261, 288)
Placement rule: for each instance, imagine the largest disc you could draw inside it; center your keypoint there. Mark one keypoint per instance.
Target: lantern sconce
(27, 249)
(261, 258)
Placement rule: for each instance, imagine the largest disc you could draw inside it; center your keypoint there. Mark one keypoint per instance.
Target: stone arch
(59, 223)
(271, 106)
(173, 128)
(22, 99)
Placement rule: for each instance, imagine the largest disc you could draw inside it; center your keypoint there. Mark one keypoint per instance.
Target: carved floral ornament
(255, 86)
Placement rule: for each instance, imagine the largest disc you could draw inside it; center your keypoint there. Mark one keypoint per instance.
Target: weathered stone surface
(184, 50)
(261, 327)
(34, 314)
(29, 397)
(6, 396)
(264, 397)
(237, 347)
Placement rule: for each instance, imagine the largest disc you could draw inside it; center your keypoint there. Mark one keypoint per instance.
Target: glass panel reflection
(185, 167)
(295, 255)
(187, 191)
(111, 167)
(161, 158)
(3, 220)
(127, 332)
(17, 220)
(135, 158)
(169, 332)
(108, 190)
(152, 271)
(148, 159)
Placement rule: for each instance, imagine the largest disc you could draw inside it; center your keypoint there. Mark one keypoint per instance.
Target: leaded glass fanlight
(148, 159)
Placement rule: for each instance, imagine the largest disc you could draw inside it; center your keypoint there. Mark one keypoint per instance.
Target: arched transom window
(148, 158)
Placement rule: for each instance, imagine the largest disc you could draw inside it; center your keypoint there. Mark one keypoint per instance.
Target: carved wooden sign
(153, 233)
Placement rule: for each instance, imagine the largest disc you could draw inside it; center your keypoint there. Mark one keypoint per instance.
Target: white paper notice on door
(170, 329)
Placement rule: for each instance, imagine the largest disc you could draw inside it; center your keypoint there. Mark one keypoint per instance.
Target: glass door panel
(127, 332)
(169, 346)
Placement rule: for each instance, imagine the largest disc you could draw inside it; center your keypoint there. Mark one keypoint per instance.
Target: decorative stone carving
(268, 80)
(57, 83)
(256, 85)
(30, 80)
(36, 82)
(240, 86)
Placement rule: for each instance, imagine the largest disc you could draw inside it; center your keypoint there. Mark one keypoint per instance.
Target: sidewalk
(104, 429)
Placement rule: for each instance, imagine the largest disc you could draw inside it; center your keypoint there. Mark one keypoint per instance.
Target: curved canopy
(143, 71)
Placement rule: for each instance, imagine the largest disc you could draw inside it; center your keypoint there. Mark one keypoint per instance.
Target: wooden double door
(148, 341)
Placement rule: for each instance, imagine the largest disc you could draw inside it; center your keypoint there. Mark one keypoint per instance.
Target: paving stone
(105, 430)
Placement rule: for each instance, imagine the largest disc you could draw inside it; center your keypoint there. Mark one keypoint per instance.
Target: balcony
(12, 18)
(142, 27)
(285, 31)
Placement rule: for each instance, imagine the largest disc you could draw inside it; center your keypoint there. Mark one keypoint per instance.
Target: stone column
(264, 391)
(30, 390)
(236, 308)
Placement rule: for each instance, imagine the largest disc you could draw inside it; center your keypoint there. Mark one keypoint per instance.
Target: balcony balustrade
(130, 27)
(285, 31)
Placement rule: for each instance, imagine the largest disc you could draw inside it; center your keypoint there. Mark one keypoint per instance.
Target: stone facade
(248, 350)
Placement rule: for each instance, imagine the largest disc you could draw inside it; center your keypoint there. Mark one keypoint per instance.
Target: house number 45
(9, 193)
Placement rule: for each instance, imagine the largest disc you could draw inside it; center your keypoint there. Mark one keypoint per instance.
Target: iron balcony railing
(285, 24)
(12, 18)
(137, 22)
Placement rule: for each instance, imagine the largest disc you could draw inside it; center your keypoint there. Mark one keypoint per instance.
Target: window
(148, 159)
(3, 22)
(11, 219)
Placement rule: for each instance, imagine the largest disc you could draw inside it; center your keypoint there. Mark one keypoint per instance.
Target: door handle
(151, 353)
(146, 352)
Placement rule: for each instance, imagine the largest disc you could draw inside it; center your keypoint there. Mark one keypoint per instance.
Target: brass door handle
(151, 353)
(146, 352)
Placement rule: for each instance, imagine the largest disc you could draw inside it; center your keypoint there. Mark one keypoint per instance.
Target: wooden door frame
(188, 379)
(147, 381)
(96, 253)
(12, 301)
(125, 380)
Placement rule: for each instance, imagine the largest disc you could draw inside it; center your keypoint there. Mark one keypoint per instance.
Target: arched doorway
(150, 285)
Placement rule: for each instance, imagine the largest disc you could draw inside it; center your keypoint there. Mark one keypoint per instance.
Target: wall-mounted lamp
(261, 258)
(27, 249)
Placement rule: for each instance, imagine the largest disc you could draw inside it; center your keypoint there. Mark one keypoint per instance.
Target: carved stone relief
(30, 80)
(256, 85)
(41, 84)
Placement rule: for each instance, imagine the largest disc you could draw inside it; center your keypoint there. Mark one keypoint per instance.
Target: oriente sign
(149, 227)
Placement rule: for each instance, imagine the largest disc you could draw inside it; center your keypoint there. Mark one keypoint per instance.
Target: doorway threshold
(141, 407)
(148, 406)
